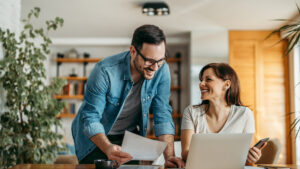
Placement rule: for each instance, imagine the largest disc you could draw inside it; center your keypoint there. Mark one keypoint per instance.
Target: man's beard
(139, 69)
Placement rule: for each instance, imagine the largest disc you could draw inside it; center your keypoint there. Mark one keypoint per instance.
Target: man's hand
(174, 162)
(113, 152)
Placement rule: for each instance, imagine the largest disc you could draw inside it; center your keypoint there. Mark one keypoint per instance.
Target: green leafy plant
(28, 124)
(290, 32)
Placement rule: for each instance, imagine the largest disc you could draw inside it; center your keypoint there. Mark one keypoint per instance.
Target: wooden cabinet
(262, 70)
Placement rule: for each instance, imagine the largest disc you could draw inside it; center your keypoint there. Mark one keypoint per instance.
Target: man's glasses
(150, 62)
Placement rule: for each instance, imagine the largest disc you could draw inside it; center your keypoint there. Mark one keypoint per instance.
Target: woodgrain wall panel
(261, 69)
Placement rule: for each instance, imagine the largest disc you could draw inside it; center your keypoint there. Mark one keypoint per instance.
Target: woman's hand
(254, 154)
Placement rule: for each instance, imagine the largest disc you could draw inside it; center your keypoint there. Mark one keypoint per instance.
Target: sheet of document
(141, 148)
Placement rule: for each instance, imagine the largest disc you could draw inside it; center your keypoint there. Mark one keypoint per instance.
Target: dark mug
(106, 164)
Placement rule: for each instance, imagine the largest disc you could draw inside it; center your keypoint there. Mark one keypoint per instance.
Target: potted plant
(290, 32)
(27, 125)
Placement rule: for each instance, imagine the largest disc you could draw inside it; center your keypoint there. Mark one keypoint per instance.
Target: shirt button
(144, 115)
(118, 104)
(143, 100)
(148, 97)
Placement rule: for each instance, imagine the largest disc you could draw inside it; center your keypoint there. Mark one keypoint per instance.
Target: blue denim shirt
(106, 90)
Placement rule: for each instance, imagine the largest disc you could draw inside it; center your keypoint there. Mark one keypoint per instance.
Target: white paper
(141, 148)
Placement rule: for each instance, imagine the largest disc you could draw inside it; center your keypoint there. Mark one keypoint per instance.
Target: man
(119, 93)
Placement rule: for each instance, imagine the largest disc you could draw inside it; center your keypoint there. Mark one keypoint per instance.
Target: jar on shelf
(72, 53)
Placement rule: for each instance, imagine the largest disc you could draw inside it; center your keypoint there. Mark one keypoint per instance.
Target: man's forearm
(169, 151)
(101, 141)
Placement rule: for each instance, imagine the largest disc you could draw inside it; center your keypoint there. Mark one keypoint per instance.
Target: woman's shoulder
(194, 109)
(242, 110)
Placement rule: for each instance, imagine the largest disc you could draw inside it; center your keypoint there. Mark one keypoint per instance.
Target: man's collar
(127, 73)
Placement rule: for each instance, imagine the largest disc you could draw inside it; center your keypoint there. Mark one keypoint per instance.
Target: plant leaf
(295, 122)
(292, 38)
(298, 8)
(290, 48)
(283, 28)
(285, 20)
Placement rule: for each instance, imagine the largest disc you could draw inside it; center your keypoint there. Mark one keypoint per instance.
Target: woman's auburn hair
(224, 72)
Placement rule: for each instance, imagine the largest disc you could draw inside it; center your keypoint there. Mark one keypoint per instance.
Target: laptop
(218, 151)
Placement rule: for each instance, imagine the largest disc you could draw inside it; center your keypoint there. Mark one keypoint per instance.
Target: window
(296, 85)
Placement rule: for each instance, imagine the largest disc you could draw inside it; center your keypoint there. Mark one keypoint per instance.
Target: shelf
(94, 60)
(153, 137)
(69, 97)
(77, 60)
(75, 78)
(174, 60)
(174, 115)
(67, 115)
(175, 88)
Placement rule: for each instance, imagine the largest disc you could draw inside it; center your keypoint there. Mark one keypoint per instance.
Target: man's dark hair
(147, 34)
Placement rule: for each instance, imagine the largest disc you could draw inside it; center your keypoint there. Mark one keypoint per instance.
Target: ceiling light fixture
(156, 8)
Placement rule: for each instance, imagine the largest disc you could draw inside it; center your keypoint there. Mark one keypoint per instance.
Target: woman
(221, 110)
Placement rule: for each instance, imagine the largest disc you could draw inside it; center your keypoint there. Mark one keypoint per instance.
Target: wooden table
(279, 166)
(54, 166)
(92, 166)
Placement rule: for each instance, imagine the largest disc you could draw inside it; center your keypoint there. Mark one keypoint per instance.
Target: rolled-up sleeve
(164, 128)
(162, 111)
(94, 102)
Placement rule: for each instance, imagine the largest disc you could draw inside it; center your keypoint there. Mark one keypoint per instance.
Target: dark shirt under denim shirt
(131, 113)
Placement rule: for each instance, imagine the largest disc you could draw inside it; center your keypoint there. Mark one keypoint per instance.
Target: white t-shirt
(240, 120)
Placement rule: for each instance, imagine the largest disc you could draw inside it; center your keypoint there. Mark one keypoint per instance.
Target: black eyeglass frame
(152, 61)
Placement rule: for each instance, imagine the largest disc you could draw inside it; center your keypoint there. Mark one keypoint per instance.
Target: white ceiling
(119, 18)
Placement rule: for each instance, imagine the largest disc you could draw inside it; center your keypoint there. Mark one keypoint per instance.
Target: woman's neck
(218, 110)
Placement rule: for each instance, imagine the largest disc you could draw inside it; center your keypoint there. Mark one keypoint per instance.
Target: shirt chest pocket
(113, 102)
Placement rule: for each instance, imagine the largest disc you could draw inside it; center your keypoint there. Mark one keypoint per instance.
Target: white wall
(206, 46)
(10, 13)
